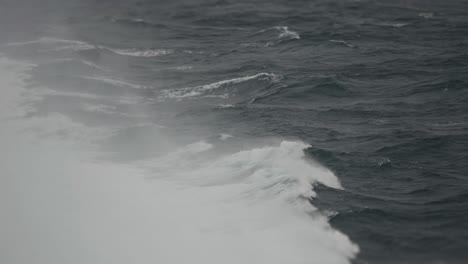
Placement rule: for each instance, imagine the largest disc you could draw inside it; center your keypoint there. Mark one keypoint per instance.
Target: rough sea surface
(203, 131)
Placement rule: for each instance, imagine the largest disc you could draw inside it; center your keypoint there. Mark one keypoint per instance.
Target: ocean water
(221, 131)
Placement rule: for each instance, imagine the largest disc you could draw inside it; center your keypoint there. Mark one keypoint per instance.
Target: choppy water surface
(320, 131)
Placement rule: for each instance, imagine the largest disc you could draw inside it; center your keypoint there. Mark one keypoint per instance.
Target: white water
(195, 204)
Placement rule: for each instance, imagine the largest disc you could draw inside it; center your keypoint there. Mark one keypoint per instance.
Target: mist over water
(190, 203)
(233, 131)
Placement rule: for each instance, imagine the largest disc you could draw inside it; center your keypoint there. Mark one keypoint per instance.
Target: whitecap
(286, 33)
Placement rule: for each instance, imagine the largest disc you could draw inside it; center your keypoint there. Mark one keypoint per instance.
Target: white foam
(142, 53)
(202, 89)
(342, 42)
(194, 205)
(252, 195)
(286, 33)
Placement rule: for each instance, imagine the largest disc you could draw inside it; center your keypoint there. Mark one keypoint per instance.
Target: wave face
(326, 131)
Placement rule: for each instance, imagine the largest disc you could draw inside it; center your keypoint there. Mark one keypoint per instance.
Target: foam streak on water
(203, 89)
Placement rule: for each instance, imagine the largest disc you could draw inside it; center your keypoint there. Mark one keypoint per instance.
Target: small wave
(148, 53)
(131, 20)
(390, 24)
(200, 90)
(426, 15)
(342, 42)
(225, 137)
(284, 34)
(100, 108)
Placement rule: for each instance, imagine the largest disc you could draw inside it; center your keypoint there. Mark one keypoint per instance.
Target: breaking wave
(214, 205)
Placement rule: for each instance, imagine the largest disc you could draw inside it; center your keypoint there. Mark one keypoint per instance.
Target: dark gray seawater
(378, 88)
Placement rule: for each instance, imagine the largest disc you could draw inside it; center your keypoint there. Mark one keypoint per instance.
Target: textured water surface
(328, 131)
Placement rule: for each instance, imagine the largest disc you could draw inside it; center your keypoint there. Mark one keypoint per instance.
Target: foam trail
(148, 53)
(47, 40)
(202, 89)
(84, 62)
(115, 82)
(64, 44)
(76, 45)
(194, 204)
(342, 42)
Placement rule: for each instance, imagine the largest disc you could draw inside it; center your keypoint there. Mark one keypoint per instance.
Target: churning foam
(194, 204)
